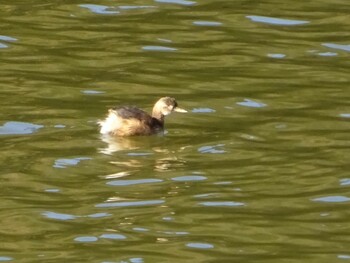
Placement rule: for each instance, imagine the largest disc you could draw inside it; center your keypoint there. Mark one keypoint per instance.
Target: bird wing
(129, 112)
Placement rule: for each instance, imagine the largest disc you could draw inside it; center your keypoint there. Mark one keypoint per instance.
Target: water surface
(258, 170)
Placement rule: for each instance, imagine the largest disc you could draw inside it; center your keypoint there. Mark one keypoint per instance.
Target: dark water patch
(223, 183)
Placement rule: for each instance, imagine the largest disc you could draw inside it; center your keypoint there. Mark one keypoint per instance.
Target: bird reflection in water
(168, 160)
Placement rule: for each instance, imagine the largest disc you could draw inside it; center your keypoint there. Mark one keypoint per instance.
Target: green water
(257, 171)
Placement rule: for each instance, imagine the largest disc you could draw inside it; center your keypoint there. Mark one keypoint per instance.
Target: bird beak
(177, 109)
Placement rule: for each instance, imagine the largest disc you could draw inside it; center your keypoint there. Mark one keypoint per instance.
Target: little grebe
(128, 121)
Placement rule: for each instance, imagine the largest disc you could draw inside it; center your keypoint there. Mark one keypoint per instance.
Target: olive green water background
(257, 171)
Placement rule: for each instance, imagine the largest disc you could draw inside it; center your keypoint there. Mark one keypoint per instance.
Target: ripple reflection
(18, 128)
(200, 245)
(179, 2)
(100, 9)
(131, 203)
(332, 199)
(277, 21)
(223, 203)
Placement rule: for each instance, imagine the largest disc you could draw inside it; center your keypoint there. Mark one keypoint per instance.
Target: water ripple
(86, 239)
(189, 178)
(134, 182)
(132, 7)
(6, 39)
(52, 190)
(344, 256)
(200, 245)
(345, 181)
(99, 215)
(276, 55)
(113, 236)
(177, 233)
(159, 48)
(202, 110)
(58, 216)
(211, 149)
(276, 21)
(337, 46)
(179, 2)
(63, 163)
(327, 54)
(251, 103)
(2, 258)
(92, 92)
(222, 203)
(17, 128)
(332, 199)
(207, 23)
(345, 115)
(141, 229)
(100, 9)
(136, 260)
(131, 203)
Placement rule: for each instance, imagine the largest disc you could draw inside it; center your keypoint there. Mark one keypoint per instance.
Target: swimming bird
(129, 120)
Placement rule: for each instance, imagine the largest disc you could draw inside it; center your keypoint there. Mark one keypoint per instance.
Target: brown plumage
(129, 121)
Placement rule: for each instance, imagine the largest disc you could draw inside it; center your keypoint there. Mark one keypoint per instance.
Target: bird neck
(158, 115)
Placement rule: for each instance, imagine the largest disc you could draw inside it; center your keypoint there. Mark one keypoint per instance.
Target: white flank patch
(111, 123)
